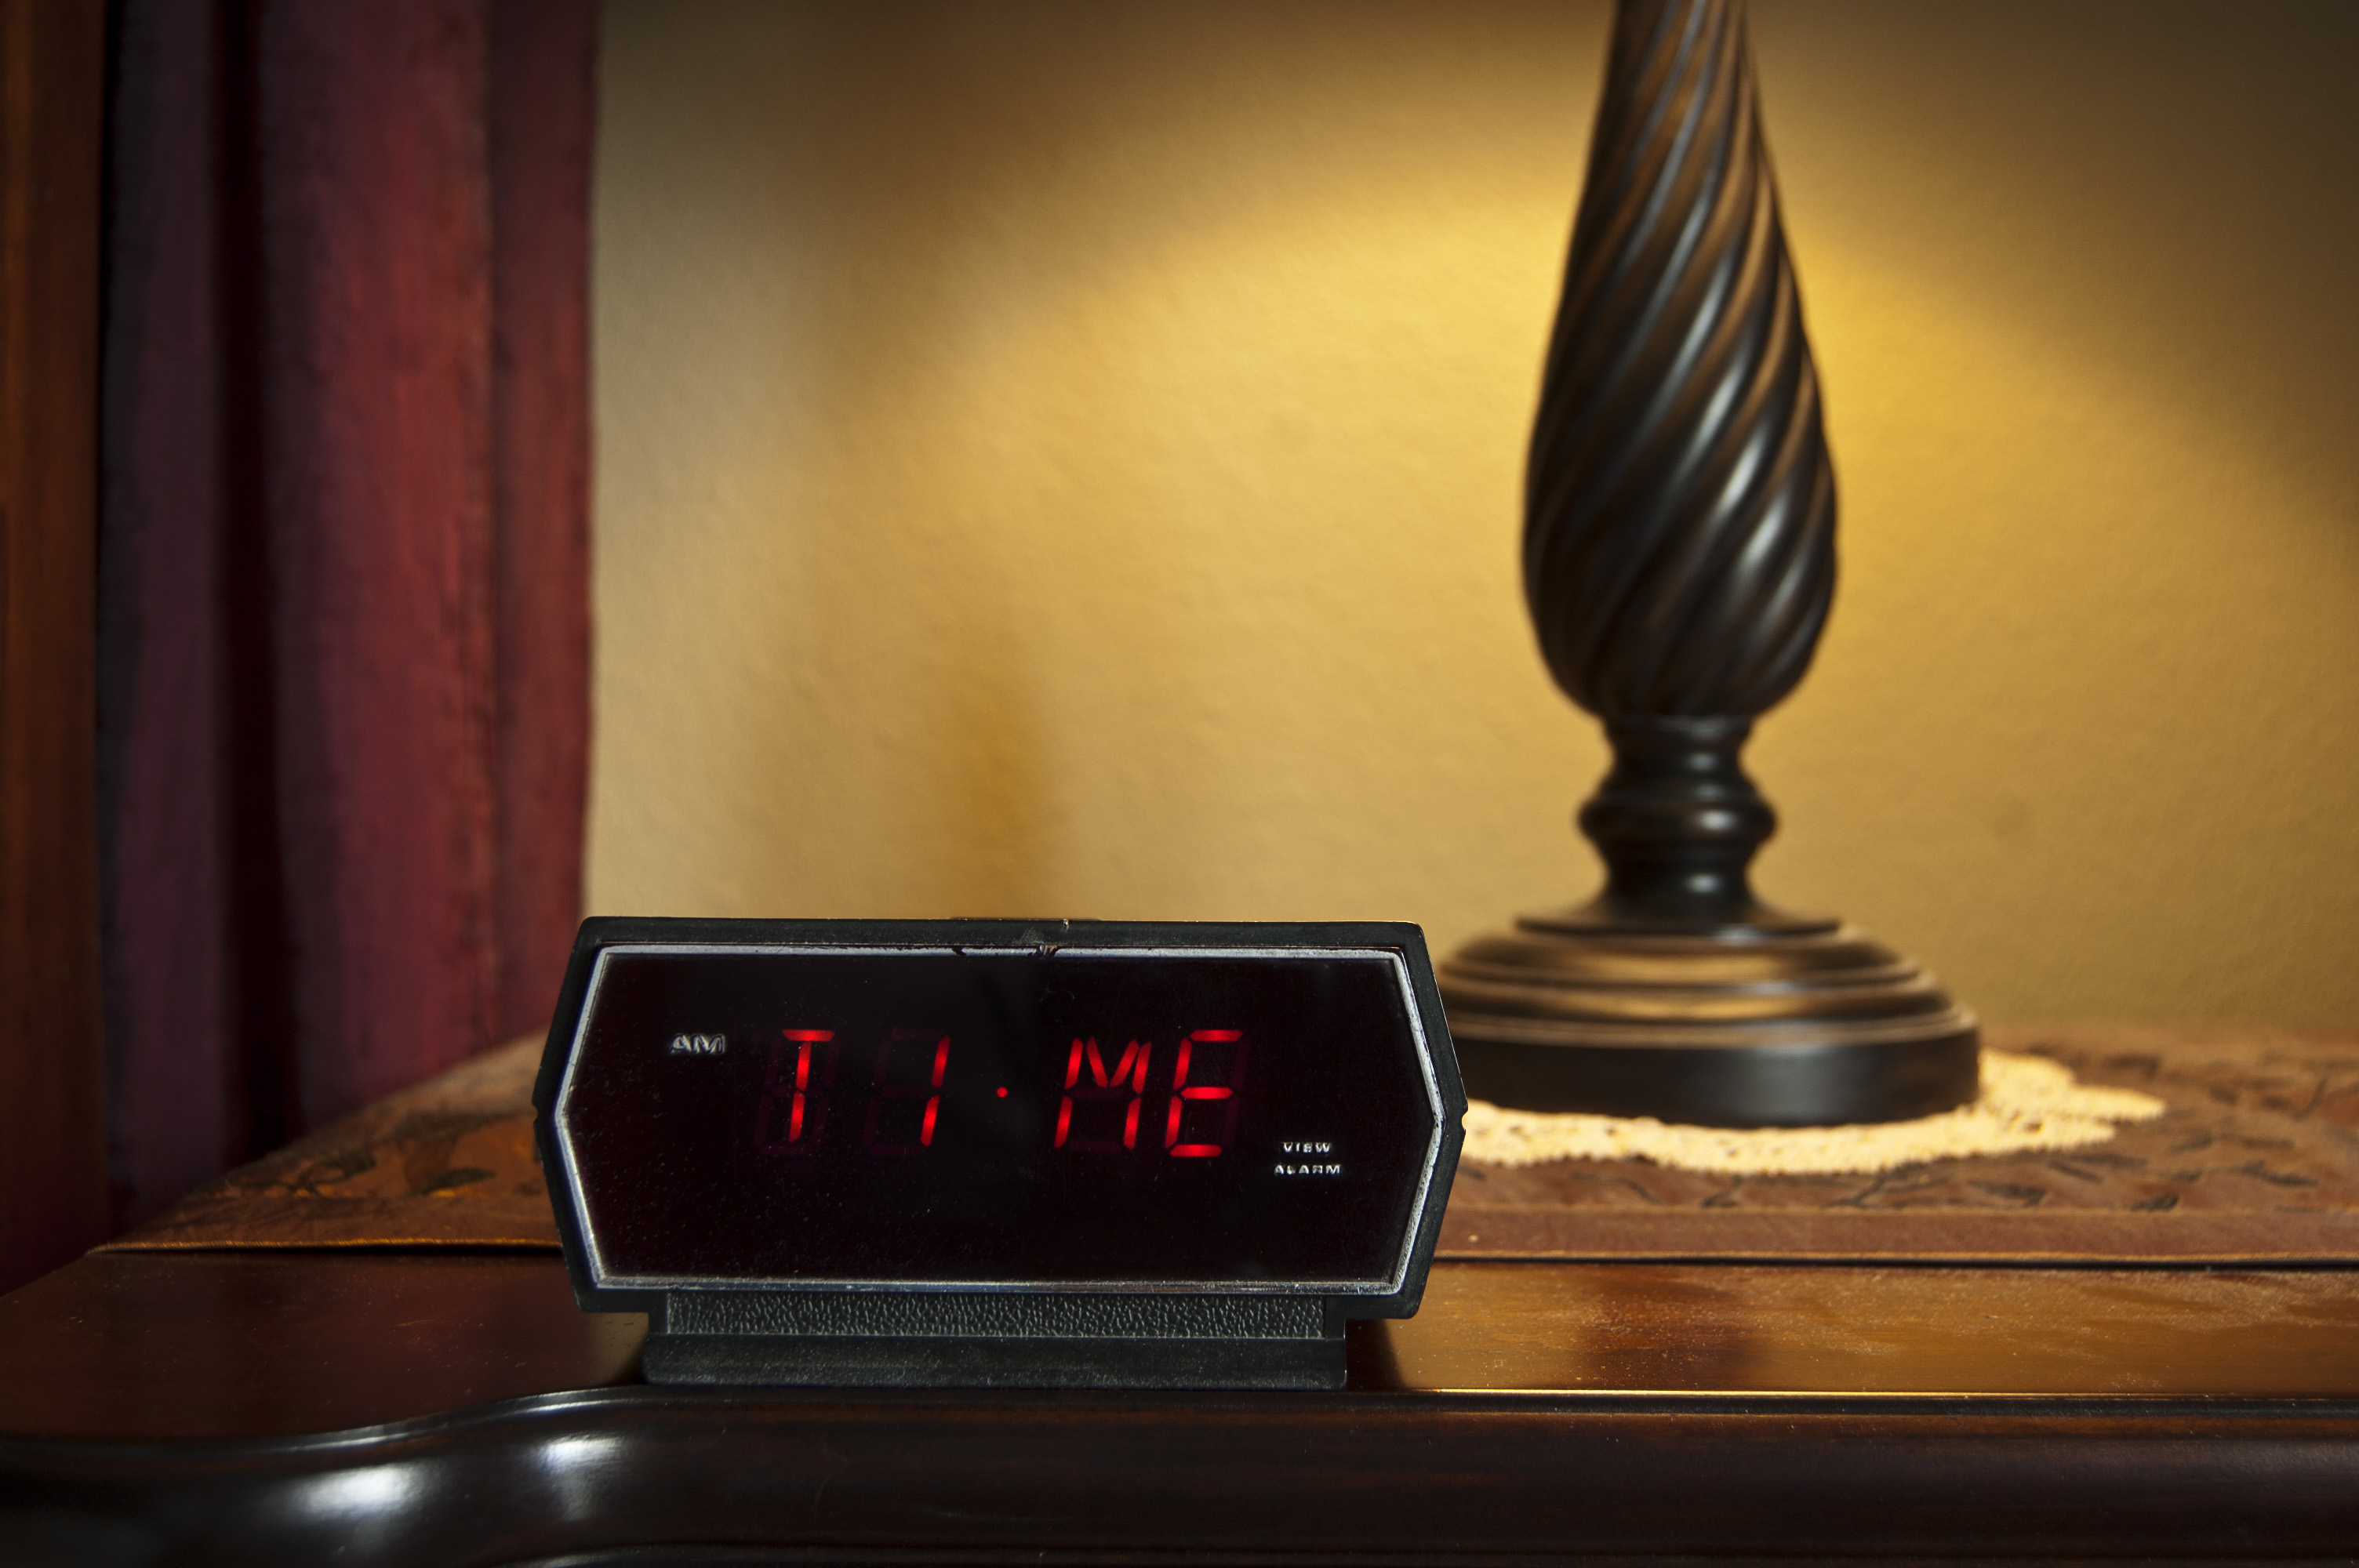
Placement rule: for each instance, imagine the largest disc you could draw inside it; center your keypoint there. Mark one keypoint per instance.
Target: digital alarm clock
(1006, 1152)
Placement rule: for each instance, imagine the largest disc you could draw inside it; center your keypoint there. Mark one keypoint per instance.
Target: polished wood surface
(241, 1383)
(447, 1162)
(454, 1407)
(238, 1344)
(1492, 1328)
(923, 1478)
(227, 1344)
(52, 1134)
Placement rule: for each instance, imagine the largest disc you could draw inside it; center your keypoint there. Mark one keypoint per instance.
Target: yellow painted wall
(1061, 457)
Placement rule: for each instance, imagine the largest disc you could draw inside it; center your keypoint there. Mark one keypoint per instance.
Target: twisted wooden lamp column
(1679, 562)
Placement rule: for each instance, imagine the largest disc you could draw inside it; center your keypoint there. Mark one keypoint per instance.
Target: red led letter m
(1123, 1086)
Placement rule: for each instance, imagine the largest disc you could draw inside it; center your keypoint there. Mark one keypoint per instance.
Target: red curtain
(344, 555)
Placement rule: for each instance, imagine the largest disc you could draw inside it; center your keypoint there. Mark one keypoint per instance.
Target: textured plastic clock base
(921, 1362)
(1015, 1340)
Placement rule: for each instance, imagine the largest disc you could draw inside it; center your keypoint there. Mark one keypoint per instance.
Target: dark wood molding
(454, 1407)
(52, 1130)
(1364, 1479)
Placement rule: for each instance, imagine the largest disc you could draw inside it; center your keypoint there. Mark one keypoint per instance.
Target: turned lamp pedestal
(1675, 994)
(1678, 565)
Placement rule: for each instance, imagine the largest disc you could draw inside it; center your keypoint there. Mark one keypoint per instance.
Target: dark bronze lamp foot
(1677, 995)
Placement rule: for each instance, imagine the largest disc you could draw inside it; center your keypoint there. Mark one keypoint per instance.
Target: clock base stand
(802, 1361)
(1015, 1340)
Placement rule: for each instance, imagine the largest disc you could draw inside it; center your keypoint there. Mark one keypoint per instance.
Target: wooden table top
(229, 1345)
(448, 1404)
(2255, 1160)
(456, 1408)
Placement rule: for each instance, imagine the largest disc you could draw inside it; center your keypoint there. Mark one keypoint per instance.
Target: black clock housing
(962, 1135)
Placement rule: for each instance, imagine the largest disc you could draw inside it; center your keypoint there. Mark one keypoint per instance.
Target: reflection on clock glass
(1071, 1117)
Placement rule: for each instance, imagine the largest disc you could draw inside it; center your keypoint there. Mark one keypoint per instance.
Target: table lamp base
(1782, 1020)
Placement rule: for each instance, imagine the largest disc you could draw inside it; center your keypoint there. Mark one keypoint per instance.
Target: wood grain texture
(2255, 1163)
(2256, 1158)
(244, 1345)
(1775, 1329)
(453, 1410)
(230, 1345)
(52, 1142)
(448, 1163)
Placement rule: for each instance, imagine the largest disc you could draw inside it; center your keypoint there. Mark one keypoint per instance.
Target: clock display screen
(1057, 1117)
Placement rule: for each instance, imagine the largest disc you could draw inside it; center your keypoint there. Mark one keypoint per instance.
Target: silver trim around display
(604, 1280)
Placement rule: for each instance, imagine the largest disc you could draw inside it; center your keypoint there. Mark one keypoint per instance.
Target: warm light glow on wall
(1063, 459)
